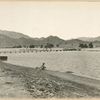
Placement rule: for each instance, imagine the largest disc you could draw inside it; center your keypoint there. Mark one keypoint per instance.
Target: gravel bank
(34, 83)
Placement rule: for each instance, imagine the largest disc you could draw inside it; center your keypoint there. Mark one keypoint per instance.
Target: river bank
(25, 82)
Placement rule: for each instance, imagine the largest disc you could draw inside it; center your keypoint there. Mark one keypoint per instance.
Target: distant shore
(34, 50)
(33, 83)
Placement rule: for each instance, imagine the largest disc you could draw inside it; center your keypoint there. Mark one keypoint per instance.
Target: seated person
(43, 67)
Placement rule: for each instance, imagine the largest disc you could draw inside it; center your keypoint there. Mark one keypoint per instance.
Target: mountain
(13, 34)
(91, 39)
(6, 41)
(52, 39)
(97, 38)
(73, 43)
(15, 39)
(22, 40)
(85, 39)
(9, 41)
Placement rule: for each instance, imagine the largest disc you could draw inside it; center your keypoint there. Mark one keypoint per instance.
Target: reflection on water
(80, 62)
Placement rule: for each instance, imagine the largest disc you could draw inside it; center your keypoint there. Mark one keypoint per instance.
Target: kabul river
(84, 63)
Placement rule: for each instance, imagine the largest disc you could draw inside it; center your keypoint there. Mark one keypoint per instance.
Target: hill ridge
(13, 39)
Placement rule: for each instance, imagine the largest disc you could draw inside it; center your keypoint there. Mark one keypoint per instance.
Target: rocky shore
(19, 81)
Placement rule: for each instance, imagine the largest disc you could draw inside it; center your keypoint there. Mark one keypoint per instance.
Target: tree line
(48, 45)
(90, 45)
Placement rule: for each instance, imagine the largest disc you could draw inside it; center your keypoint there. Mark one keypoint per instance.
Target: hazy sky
(41, 19)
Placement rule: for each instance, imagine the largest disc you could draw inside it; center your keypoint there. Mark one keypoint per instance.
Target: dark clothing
(43, 67)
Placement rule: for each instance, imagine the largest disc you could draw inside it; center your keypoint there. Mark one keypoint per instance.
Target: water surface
(83, 63)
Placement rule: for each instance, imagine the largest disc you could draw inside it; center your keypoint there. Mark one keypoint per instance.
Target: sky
(40, 19)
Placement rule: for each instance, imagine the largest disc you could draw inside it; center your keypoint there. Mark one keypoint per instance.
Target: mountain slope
(97, 38)
(12, 34)
(7, 41)
(13, 39)
(73, 43)
(90, 38)
(51, 39)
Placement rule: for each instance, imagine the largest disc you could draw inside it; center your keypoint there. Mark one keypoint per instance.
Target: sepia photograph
(49, 49)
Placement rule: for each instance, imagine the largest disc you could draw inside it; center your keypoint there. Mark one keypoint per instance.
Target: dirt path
(11, 87)
(75, 78)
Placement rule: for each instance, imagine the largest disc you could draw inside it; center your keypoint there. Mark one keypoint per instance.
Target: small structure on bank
(3, 58)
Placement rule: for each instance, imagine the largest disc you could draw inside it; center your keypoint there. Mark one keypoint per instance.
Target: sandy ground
(75, 78)
(24, 82)
(11, 86)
